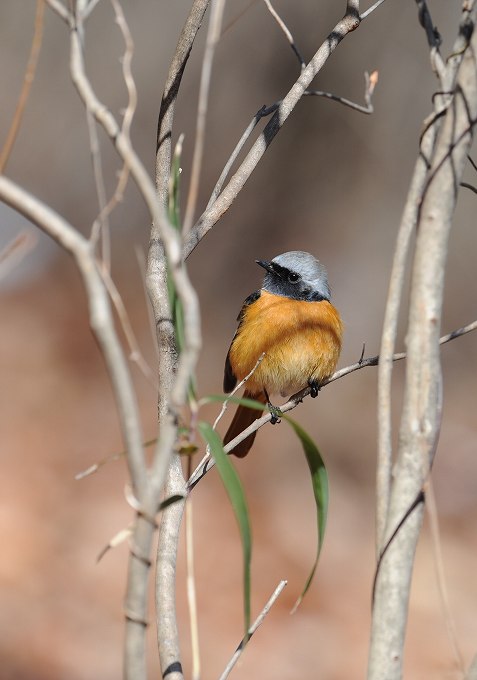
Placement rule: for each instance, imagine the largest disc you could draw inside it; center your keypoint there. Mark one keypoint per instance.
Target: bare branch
(258, 621)
(59, 9)
(441, 580)
(349, 23)
(171, 90)
(420, 423)
(371, 9)
(28, 79)
(15, 251)
(213, 36)
(447, 82)
(370, 84)
(157, 272)
(135, 354)
(101, 319)
(264, 111)
(286, 31)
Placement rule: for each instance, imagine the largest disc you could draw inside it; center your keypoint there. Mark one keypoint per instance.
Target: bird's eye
(293, 277)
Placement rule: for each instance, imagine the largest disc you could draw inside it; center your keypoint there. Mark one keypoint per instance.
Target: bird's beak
(266, 265)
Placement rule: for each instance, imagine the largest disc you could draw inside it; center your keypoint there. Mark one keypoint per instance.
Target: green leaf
(319, 480)
(234, 489)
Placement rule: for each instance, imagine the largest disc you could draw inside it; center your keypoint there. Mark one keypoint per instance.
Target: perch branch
(207, 463)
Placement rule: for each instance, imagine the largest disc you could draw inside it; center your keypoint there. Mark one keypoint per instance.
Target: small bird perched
(293, 323)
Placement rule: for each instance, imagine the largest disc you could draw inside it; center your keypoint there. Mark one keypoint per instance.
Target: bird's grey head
(296, 275)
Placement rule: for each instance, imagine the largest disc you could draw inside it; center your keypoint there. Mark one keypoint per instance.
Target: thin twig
(213, 36)
(169, 97)
(135, 354)
(258, 621)
(88, 9)
(264, 111)
(59, 9)
(28, 79)
(225, 404)
(191, 591)
(370, 10)
(15, 251)
(370, 84)
(101, 223)
(287, 32)
(441, 579)
(236, 389)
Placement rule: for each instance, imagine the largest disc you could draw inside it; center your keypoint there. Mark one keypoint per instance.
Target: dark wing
(229, 378)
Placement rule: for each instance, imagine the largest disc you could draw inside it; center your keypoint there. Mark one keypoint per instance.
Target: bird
(291, 322)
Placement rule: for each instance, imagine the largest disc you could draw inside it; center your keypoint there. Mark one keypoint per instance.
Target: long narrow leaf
(234, 489)
(319, 480)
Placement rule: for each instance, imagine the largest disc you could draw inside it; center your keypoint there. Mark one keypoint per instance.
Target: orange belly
(301, 341)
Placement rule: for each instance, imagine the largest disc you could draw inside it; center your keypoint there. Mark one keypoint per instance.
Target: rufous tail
(244, 417)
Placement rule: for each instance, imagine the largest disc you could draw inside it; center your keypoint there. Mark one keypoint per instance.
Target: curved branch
(101, 318)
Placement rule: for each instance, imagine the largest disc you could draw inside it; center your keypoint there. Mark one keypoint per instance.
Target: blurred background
(333, 182)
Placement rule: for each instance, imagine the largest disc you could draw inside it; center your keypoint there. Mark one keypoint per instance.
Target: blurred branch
(440, 576)
(28, 79)
(207, 463)
(213, 36)
(58, 7)
(447, 83)
(101, 319)
(135, 354)
(15, 251)
(472, 670)
(101, 223)
(432, 214)
(171, 90)
(223, 202)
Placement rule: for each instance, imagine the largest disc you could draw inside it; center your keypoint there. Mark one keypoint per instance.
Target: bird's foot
(314, 387)
(275, 413)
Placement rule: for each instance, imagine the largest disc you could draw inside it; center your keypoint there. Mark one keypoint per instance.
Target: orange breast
(301, 341)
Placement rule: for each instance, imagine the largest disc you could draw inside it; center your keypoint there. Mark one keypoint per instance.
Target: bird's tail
(244, 417)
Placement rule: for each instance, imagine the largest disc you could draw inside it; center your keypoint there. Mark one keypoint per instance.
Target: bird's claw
(275, 413)
(314, 388)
